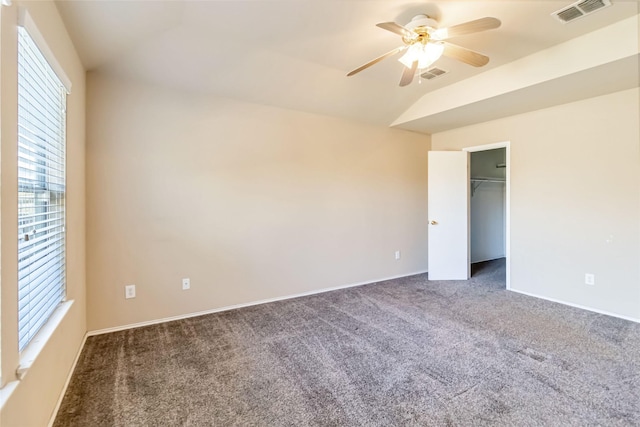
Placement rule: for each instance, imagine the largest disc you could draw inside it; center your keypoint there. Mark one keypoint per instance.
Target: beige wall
(248, 201)
(34, 398)
(575, 199)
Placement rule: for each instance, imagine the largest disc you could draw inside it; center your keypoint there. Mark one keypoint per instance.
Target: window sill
(33, 349)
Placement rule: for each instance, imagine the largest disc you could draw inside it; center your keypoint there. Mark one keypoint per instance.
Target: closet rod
(487, 180)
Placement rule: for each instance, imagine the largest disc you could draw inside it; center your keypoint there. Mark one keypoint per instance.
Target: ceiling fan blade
(408, 73)
(375, 61)
(470, 27)
(396, 28)
(465, 55)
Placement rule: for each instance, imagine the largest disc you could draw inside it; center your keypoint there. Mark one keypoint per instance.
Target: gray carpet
(400, 352)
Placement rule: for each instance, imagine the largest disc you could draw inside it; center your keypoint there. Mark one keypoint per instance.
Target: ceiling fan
(424, 43)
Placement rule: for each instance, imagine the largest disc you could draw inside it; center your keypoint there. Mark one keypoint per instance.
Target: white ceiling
(296, 54)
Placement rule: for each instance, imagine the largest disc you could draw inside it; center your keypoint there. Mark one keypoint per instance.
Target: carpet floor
(401, 352)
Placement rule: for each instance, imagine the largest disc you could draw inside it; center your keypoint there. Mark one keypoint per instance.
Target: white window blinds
(41, 189)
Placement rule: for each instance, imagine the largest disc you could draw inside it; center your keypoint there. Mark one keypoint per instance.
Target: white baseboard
(66, 383)
(594, 310)
(248, 304)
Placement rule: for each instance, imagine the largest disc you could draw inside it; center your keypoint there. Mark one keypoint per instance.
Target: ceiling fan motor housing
(421, 25)
(422, 21)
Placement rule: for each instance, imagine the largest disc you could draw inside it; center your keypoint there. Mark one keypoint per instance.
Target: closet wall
(487, 205)
(574, 199)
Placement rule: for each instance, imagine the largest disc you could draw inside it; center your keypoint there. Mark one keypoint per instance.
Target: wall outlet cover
(130, 291)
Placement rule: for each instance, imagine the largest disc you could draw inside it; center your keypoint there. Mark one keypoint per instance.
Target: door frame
(507, 227)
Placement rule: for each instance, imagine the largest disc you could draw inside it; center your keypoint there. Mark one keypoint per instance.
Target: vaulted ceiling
(296, 54)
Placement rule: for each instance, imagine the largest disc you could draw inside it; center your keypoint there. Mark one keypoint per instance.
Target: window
(41, 189)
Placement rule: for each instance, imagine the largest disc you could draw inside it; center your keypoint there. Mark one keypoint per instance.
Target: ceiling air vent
(589, 6)
(579, 9)
(432, 73)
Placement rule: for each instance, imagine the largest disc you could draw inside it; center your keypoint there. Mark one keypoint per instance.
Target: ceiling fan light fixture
(425, 54)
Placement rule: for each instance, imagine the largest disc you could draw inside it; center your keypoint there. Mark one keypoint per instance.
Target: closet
(488, 205)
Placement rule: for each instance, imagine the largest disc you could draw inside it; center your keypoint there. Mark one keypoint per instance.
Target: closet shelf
(477, 182)
(480, 179)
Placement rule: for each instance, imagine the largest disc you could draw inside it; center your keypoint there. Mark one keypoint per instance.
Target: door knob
(434, 222)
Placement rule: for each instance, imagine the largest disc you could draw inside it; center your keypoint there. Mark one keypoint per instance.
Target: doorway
(489, 206)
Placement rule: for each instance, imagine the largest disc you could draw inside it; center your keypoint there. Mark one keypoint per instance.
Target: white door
(448, 207)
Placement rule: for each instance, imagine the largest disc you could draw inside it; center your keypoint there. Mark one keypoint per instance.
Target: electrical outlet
(397, 255)
(130, 291)
(589, 279)
(186, 284)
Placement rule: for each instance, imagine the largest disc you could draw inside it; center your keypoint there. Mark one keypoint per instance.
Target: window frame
(14, 364)
(41, 147)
